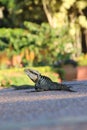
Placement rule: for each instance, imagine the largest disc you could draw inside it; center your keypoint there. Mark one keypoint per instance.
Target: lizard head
(32, 74)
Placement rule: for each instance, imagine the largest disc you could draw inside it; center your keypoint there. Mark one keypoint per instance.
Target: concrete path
(59, 110)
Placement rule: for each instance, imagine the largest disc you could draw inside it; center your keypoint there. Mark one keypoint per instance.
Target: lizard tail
(67, 88)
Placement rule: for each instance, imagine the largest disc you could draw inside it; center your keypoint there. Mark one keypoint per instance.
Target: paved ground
(59, 110)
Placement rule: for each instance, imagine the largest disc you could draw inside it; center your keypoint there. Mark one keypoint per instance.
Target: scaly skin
(43, 83)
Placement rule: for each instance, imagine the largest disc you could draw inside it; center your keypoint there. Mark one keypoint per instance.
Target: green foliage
(8, 3)
(45, 42)
(10, 38)
(82, 60)
(17, 11)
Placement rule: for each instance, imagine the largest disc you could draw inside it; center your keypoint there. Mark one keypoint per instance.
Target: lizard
(44, 83)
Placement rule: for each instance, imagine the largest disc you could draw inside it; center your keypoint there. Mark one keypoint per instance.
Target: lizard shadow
(24, 87)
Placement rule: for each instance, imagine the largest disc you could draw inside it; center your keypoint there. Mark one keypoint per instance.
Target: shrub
(36, 44)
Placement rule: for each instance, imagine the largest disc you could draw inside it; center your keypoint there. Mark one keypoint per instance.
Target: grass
(17, 77)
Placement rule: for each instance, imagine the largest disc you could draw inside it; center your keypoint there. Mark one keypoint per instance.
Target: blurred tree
(73, 13)
(59, 13)
(20, 11)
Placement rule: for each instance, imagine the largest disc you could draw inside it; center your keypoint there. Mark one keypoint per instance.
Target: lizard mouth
(32, 74)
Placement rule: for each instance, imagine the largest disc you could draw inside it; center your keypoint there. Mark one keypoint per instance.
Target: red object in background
(82, 73)
(75, 73)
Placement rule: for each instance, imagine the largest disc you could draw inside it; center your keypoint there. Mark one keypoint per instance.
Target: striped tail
(66, 88)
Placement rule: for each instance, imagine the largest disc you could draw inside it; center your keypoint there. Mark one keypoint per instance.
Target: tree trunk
(78, 42)
(84, 40)
(48, 12)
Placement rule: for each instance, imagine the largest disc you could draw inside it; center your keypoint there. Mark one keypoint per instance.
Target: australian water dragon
(44, 83)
